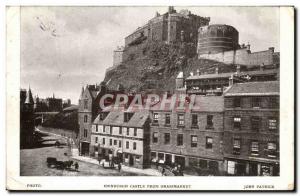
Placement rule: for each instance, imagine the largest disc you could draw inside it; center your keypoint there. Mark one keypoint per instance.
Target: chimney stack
(238, 69)
(248, 46)
(261, 67)
(272, 49)
(217, 70)
(231, 80)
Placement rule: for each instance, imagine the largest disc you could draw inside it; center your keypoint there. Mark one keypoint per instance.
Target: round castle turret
(217, 38)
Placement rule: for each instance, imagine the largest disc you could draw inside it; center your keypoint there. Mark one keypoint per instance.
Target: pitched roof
(116, 118)
(254, 89)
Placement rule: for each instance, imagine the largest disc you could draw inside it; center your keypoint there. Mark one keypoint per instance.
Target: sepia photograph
(171, 92)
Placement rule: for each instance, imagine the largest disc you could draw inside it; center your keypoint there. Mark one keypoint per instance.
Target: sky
(65, 48)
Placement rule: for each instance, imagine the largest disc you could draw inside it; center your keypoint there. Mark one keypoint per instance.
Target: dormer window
(127, 116)
(103, 115)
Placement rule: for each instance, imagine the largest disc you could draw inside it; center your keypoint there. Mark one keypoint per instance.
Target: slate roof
(116, 118)
(253, 89)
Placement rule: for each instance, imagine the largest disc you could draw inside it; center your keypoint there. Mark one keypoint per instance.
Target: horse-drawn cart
(54, 163)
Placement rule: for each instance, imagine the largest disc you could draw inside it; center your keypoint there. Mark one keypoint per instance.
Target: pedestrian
(163, 171)
(76, 166)
(119, 167)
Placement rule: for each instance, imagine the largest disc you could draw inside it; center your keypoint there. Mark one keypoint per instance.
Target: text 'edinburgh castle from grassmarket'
(233, 131)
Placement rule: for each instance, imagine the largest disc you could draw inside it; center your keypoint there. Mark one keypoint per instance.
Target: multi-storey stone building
(88, 110)
(170, 27)
(251, 129)
(216, 83)
(122, 135)
(221, 43)
(190, 138)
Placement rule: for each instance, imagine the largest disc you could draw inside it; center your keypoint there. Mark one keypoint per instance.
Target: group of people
(177, 170)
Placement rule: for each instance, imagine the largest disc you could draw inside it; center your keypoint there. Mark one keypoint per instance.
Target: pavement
(75, 155)
(148, 171)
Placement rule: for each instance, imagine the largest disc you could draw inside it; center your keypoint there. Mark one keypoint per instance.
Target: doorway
(85, 148)
(131, 160)
(253, 169)
(168, 159)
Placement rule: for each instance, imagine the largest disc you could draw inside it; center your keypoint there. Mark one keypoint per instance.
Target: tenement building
(189, 138)
(88, 110)
(251, 129)
(122, 135)
(216, 83)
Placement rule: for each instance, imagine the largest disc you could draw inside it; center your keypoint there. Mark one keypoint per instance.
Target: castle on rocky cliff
(219, 42)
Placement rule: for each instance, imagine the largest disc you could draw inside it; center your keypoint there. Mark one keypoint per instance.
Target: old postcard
(150, 98)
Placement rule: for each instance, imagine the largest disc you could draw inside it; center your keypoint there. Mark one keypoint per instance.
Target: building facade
(217, 83)
(217, 38)
(170, 27)
(122, 136)
(88, 109)
(251, 129)
(191, 139)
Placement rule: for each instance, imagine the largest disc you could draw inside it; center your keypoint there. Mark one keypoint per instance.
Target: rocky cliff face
(153, 67)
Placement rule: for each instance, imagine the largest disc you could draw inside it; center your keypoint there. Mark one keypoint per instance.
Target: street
(33, 161)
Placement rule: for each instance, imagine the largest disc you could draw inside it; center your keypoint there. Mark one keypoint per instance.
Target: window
(194, 140)
(120, 144)
(254, 148)
(255, 123)
(202, 163)
(127, 144)
(237, 122)
(272, 124)
(168, 121)
(236, 146)
(135, 132)
(272, 150)
(237, 102)
(209, 121)
(127, 131)
(127, 116)
(273, 102)
(180, 119)
(103, 141)
(96, 128)
(85, 104)
(85, 133)
(103, 115)
(209, 142)
(96, 140)
(85, 118)
(120, 131)
(255, 102)
(179, 139)
(107, 129)
(110, 142)
(167, 138)
(155, 118)
(115, 142)
(134, 145)
(194, 120)
(155, 137)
